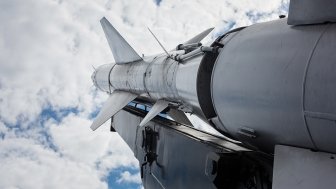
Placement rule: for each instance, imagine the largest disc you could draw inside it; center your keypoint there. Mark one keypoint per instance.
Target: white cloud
(25, 164)
(127, 177)
(82, 158)
(101, 148)
(47, 49)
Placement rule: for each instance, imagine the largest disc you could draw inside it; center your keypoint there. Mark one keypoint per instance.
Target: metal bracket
(149, 139)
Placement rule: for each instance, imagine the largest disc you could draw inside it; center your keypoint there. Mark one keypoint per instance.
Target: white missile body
(160, 78)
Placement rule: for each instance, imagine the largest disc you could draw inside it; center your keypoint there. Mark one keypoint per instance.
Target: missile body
(269, 84)
(156, 78)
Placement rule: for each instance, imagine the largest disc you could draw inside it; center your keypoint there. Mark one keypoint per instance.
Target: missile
(167, 80)
(266, 84)
(270, 87)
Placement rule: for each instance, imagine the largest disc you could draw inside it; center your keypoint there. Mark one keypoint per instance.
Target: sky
(48, 49)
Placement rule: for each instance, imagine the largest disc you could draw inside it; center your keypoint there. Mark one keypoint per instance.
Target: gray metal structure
(279, 85)
(177, 156)
(298, 168)
(311, 12)
(264, 85)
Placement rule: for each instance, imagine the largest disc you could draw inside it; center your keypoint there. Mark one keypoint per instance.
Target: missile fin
(158, 107)
(121, 50)
(116, 101)
(179, 116)
(199, 37)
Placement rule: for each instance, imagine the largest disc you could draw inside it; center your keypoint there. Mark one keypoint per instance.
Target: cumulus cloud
(127, 177)
(25, 164)
(42, 59)
(101, 149)
(47, 100)
(80, 158)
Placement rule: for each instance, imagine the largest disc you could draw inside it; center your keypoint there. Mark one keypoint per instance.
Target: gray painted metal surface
(183, 155)
(266, 78)
(303, 12)
(297, 168)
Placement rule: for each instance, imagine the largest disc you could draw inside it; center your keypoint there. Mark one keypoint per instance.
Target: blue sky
(47, 100)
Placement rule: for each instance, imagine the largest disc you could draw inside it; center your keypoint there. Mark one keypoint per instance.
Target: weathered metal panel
(323, 133)
(320, 91)
(258, 84)
(298, 168)
(303, 12)
(182, 155)
(160, 78)
(187, 83)
(127, 126)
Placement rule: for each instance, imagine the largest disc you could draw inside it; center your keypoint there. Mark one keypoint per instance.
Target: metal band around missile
(109, 75)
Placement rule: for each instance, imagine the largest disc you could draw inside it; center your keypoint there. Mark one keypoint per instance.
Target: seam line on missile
(321, 115)
(304, 83)
(109, 80)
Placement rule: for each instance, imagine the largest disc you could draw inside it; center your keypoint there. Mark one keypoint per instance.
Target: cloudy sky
(47, 101)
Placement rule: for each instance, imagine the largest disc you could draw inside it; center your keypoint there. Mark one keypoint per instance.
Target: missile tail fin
(116, 101)
(121, 50)
(179, 116)
(158, 107)
(199, 37)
